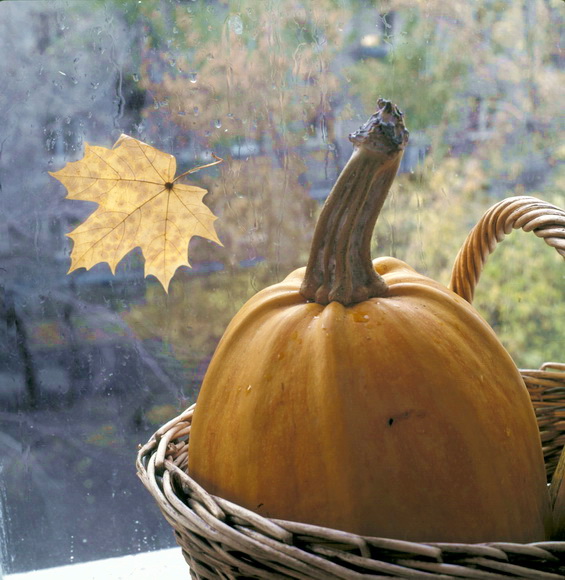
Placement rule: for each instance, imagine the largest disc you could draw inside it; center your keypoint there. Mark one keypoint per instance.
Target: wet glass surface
(91, 363)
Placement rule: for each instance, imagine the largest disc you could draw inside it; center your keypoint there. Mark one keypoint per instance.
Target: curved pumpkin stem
(339, 267)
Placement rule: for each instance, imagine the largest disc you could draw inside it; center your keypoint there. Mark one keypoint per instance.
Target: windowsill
(146, 566)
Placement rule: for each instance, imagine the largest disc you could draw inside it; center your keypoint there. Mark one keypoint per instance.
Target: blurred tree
(253, 82)
(269, 88)
(194, 315)
(257, 84)
(521, 291)
(490, 113)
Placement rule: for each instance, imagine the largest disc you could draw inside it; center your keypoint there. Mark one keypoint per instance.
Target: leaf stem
(195, 169)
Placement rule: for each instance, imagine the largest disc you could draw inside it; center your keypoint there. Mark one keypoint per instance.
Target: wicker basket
(222, 540)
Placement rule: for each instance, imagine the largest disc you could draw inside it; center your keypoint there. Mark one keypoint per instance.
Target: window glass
(92, 363)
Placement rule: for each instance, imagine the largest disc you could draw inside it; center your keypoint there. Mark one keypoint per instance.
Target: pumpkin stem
(339, 267)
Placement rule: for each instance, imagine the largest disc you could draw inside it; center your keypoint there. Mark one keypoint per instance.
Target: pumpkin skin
(401, 416)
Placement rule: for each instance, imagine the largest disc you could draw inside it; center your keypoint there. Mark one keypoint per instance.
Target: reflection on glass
(90, 363)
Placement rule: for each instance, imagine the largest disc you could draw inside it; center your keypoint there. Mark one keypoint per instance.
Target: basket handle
(531, 214)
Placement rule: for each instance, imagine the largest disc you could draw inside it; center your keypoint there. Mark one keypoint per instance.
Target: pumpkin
(363, 396)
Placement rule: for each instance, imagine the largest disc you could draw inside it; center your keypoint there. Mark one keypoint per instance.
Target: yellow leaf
(140, 204)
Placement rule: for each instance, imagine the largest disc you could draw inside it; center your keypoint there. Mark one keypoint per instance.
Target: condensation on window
(92, 363)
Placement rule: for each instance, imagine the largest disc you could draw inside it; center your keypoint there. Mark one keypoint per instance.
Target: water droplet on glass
(192, 77)
(217, 123)
(324, 129)
(236, 24)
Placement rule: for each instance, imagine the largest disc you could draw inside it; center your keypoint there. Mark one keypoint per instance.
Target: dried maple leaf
(141, 204)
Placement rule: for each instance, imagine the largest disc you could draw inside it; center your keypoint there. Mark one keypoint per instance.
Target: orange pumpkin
(366, 397)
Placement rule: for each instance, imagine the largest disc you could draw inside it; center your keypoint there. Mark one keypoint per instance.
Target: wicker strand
(222, 540)
(545, 220)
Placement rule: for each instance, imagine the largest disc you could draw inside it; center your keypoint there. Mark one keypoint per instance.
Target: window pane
(92, 363)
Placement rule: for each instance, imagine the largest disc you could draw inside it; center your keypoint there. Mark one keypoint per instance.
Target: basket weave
(222, 540)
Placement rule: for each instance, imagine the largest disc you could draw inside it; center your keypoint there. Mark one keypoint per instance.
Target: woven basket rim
(211, 530)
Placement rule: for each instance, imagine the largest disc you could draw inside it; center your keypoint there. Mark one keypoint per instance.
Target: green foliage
(522, 294)
(429, 213)
(423, 71)
(193, 316)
